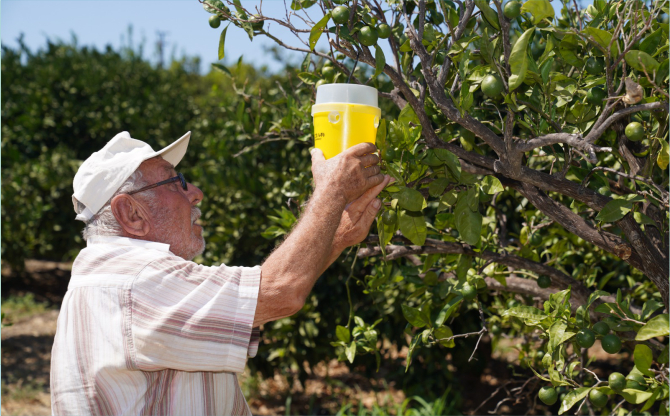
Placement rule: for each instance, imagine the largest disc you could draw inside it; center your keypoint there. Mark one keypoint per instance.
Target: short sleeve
(190, 317)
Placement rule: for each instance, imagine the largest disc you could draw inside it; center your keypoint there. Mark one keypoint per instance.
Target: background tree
(531, 154)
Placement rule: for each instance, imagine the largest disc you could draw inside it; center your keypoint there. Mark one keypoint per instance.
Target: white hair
(104, 222)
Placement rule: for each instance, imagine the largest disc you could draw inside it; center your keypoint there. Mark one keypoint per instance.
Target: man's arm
(289, 274)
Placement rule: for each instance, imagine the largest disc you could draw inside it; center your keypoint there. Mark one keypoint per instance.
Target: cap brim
(176, 151)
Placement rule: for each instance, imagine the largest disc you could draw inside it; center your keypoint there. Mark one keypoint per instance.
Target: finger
(372, 170)
(375, 180)
(359, 204)
(362, 149)
(369, 160)
(317, 156)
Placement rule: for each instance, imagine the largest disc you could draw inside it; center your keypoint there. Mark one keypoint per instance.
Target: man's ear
(131, 215)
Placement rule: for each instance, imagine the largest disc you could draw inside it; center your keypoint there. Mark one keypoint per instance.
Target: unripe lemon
(611, 343)
(492, 86)
(512, 9)
(548, 395)
(214, 21)
(340, 15)
(634, 131)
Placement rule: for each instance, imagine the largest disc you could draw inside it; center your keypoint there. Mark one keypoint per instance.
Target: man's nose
(194, 193)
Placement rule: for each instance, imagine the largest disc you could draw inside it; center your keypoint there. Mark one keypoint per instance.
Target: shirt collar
(125, 241)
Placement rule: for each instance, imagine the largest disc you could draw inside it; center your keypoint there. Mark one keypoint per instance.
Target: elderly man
(145, 330)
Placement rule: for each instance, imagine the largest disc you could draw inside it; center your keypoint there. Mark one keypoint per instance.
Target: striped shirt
(144, 332)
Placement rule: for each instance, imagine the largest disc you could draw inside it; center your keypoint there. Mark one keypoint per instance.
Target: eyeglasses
(179, 178)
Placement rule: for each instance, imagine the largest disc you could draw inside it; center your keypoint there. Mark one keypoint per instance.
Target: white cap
(347, 93)
(103, 173)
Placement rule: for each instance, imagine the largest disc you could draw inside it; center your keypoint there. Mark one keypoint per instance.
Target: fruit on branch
(512, 9)
(586, 338)
(548, 395)
(328, 73)
(611, 343)
(492, 86)
(617, 381)
(368, 36)
(340, 15)
(596, 96)
(468, 291)
(384, 31)
(495, 329)
(634, 131)
(595, 66)
(544, 281)
(601, 328)
(636, 381)
(598, 398)
(257, 25)
(389, 217)
(214, 21)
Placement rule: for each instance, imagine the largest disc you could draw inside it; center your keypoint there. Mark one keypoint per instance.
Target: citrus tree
(531, 159)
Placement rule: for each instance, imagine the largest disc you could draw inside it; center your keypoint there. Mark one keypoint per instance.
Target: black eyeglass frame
(179, 177)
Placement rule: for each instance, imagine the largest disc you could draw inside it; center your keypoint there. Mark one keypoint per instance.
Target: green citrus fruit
(469, 292)
(539, 355)
(492, 86)
(328, 73)
(368, 36)
(390, 154)
(601, 328)
(454, 233)
(535, 239)
(585, 338)
(257, 25)
(384, 31)
(635, 131)
(389, 217)
(512, 9)
(496, 329)
(548, 395)
(214, 21)
(596, 96)
(598, 398)
(617, 381)
(611, 343)
(544, 281)
(340, 15)
(435, 18)
(595, 66)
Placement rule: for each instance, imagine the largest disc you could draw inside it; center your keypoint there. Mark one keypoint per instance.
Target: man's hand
(349, 174)
(358, 217)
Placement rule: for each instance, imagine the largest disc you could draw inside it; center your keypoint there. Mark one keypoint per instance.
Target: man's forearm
(308, 250)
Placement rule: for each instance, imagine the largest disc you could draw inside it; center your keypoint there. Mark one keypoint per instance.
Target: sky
(183, 24)
(101, 22)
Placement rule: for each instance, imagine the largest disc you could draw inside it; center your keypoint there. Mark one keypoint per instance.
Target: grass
(16, 307)
(22, 390)
(411, 406)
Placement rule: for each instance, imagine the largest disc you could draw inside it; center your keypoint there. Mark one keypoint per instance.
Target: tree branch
(574, 140)
(600, 129)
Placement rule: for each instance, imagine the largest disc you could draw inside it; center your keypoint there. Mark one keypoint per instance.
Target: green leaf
(518, 59)
(468, 222)
(540, 9)
(603, 38)
(525, 312)
(640, 218)
(663, 356)
(572, 397)
(437, 187)
(410, 199)
(556, 332)
(643, 358)
(414, 316)
(472, 197)
(350, 351)
(638, 59)
(445, 332)
(380, 140)
(614, 210)
(410, 351)
(222, 69)
(451, 160)
(408, 115)
(413, 226)
(635, 396)
(308, 78)
(447, 310)
(317, 30)
(649, 307)
(491, 185)
(656, 327)
(343, 334)
(222, 42)
(650, 402)
(489, 14)
(380, 60)
(650, 43)
(663, 155)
